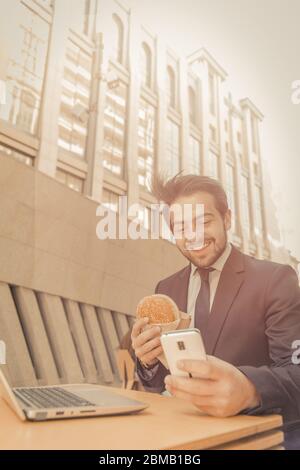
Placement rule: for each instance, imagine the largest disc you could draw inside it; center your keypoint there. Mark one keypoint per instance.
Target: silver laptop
(66, 401)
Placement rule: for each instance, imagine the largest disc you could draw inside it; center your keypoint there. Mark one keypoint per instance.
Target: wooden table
(168, 423)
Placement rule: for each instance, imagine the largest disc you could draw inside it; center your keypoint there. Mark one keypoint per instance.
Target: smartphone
(182, 344)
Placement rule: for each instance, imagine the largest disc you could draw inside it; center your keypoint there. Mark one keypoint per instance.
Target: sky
(257, 42)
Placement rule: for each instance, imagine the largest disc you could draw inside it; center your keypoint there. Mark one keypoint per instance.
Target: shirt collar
(219, 263)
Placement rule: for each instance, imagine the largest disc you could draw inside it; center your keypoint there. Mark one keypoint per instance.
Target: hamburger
(159, 308)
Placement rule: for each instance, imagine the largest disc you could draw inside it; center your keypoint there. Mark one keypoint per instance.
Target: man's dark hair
(167, 190)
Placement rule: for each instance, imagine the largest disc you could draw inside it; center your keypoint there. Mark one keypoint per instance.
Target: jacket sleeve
(279, 383)
(152, 379)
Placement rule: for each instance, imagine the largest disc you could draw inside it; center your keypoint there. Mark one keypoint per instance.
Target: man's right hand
(146, 342)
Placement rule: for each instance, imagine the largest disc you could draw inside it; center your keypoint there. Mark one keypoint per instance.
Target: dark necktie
(202, 306)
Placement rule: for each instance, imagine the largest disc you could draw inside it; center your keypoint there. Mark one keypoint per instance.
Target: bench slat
(35, 333)
(60, 338)
(131, 320)
(111, 338)
(81, 340)
(122, 325)
(97, 342)
(19, 364)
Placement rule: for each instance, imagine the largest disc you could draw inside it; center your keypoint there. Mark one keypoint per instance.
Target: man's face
(215, 230)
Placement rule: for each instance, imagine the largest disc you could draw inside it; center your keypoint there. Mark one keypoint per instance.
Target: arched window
(192, 105)
(146, 65)
(118, 39)
(171, 87)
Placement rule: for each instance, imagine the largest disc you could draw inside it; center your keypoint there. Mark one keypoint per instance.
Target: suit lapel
(231, 279)
(180, 294)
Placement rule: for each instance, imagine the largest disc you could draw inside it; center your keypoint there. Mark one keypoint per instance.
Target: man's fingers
(200, 401)
(214, 405)
(152, 355)
(146, 335)
(203, 369)
(148, 347)
(194, 386)
(138, 326)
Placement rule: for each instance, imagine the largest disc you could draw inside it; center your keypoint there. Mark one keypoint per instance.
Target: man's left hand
(216, 387)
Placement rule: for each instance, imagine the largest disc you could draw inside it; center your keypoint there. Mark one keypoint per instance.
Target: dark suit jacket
(254, 320)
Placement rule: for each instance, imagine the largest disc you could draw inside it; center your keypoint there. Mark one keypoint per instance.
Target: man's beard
(212, 257)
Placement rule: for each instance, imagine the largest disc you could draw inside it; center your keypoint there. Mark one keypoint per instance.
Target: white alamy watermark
(295, 96)
(2, 92)
(296, 352)
(181, 221)
(2, 352)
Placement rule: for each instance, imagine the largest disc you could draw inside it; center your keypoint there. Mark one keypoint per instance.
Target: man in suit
(248, 312)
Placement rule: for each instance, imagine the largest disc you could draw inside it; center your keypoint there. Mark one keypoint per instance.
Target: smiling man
(248, 312)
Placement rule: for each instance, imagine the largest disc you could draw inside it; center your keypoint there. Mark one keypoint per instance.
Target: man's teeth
(205, 245)
(202, 246)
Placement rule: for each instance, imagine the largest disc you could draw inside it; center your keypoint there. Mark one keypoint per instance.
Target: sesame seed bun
(159, 308)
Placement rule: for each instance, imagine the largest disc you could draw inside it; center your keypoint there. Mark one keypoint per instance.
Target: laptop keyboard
(50, 397)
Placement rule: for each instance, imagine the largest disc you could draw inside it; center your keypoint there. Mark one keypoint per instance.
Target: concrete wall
(48, 242)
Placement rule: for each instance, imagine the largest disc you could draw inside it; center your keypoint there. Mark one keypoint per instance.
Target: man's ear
(227, 219)
(171, 224)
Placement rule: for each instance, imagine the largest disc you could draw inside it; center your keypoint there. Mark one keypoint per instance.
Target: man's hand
(146, 342)
(217, 388)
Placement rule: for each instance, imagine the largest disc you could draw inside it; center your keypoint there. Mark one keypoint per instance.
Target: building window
(74, 110)
(192, 106)
(194, 154)
(118, 39)
(25, 72)
(172, 148)
(243, 160)
(239, 137)
(245, 205)
(230, 186)
(146, 65)
(70, 180)
(171, 87)
(213, 163)
(22, 157)
(146, 143)
(226, 125)
(212, 98)
(258, 211)
(256, 169)
(213, 134)
(110, 200)
(253, 134)
(115, 129)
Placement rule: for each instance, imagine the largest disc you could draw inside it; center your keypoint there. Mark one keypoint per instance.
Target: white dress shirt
(195, 282)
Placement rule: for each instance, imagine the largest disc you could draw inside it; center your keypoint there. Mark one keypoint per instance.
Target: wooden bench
(52, 340)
